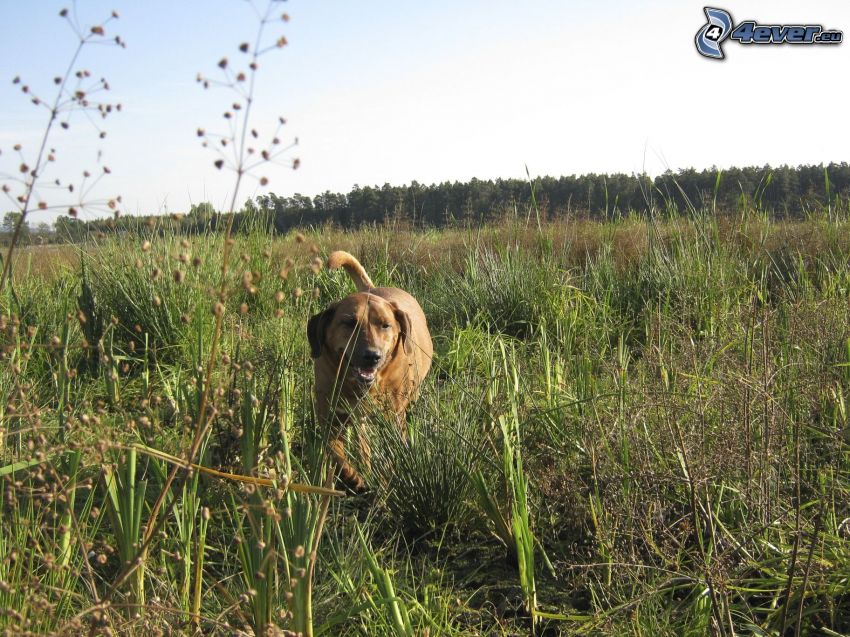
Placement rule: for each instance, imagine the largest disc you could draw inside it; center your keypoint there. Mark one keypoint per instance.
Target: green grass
(631, 427)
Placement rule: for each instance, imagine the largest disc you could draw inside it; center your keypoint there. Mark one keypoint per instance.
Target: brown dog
(372, 343)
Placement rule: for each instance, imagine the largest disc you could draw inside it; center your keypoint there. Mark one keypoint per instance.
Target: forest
(784, 193)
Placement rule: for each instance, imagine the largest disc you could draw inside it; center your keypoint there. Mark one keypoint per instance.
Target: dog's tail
(341, 259)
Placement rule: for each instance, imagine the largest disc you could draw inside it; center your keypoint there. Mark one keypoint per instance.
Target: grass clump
(506, 290)
(419, 471)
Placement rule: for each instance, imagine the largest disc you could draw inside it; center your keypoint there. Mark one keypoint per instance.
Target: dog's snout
(371, 356)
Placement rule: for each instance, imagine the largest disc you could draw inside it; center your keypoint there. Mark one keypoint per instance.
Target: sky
(381, 91)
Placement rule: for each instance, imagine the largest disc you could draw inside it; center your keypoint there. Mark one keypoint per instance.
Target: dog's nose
(371, 357)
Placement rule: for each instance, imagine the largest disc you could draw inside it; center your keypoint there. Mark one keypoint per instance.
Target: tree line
(783, 191)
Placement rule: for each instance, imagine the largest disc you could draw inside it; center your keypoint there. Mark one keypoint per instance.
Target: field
(631, 427)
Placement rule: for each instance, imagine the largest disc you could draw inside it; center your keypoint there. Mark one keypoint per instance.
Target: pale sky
(383, 91)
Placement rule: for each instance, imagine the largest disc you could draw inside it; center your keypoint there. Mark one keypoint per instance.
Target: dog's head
(362, 334)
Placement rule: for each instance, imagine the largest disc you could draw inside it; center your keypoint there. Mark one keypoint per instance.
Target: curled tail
(341, 259)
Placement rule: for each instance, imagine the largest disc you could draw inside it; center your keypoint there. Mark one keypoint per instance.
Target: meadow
(631, 427)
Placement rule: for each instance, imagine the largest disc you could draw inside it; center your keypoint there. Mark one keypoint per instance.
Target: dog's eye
(349, 323)
(385, 326)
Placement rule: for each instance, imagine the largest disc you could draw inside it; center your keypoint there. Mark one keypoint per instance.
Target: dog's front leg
(347, 471)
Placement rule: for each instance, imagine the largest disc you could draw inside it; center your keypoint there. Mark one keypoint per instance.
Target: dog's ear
(316, 327)
(404, 330)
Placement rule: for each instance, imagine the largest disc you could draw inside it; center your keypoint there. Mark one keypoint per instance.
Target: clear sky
(383, 91)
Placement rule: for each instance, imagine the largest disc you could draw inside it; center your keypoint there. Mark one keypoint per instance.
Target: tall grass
(660, 417)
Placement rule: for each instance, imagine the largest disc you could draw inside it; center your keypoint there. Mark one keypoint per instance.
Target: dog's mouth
(364, 375)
